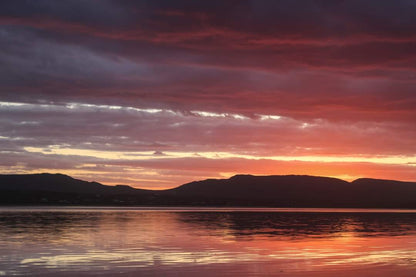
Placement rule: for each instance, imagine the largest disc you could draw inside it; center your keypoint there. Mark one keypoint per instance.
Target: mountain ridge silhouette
(239, 190)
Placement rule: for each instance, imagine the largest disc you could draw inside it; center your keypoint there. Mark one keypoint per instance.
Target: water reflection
(295, 225)
(167, 242)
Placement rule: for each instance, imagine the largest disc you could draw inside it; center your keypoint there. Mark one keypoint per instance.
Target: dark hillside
(240, 190)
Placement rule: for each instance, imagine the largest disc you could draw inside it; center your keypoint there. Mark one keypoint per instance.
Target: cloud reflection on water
(81, 241)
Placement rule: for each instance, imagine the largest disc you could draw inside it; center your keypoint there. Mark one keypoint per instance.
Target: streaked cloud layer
(158, 93)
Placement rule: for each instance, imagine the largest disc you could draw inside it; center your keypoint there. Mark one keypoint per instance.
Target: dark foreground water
(206, 242)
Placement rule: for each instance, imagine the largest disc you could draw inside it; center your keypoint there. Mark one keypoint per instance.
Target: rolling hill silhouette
(239, 190)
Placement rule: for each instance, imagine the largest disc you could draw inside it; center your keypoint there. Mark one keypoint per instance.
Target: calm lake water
(206, 242)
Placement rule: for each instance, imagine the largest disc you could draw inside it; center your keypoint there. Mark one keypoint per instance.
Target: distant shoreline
(202, 209)
(245, 191)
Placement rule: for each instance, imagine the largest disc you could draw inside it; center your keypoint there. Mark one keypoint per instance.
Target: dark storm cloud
(165, 52)
(101, 13)
(296, 19)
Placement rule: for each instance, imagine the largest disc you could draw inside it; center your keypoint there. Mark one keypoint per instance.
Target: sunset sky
(155, 94)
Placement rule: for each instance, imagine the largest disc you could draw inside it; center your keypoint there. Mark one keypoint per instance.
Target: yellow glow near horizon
(149, 155)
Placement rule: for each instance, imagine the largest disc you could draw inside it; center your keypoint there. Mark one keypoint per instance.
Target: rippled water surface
(206, 242)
